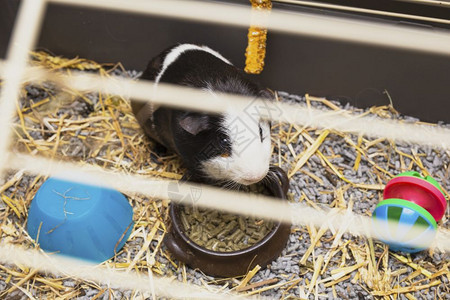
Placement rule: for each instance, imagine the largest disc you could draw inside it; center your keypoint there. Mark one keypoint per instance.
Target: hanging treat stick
(257, 35)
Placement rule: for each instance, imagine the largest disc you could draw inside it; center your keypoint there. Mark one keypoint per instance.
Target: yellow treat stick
(257, 36)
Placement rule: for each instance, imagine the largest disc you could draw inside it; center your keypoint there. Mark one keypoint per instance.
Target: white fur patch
(250, 158)
(173, 55)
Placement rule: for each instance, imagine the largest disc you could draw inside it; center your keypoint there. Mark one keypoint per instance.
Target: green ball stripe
(411, 205)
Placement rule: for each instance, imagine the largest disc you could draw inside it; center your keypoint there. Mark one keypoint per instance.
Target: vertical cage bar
(24, 36)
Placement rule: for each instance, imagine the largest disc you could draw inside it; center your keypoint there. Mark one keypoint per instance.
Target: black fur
(199, 69)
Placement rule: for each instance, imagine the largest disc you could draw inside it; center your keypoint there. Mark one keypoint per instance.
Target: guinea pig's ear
(194, 123)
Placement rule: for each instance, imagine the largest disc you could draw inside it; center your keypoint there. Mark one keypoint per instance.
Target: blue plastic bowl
(404, 225)
(79, 220)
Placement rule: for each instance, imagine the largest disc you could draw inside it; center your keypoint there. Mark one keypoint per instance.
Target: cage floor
(345, 171)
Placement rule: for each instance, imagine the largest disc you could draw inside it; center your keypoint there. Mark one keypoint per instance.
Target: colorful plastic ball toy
(79, 220)
(404, 225)
(407, 218)
(424, 191)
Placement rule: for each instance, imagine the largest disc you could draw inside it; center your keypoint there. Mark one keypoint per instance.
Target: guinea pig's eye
(261, 133)
(224, 147)
(223, 142)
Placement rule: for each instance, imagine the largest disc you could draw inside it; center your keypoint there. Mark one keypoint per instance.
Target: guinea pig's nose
(253, 178)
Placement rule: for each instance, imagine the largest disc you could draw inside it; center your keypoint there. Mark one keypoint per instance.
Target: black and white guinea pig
(233, 147)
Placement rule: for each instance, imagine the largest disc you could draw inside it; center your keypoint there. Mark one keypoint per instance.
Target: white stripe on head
(173, 55)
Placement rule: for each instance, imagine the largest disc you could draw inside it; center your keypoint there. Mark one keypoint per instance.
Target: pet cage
(365, 74)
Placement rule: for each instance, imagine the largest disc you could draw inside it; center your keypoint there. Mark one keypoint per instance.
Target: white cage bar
(15, 71)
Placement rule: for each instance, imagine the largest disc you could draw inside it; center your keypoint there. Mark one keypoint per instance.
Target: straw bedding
(327, 168)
